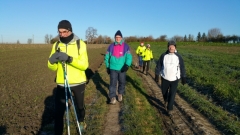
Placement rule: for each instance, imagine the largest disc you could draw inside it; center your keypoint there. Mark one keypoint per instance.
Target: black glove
(124, 68)
(64, 57)
(54, 58)
(183, 80)
(156, 78)
(108, 70)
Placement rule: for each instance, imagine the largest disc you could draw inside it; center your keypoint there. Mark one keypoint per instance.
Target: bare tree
(190, 37)
(47, 40)
(149, 38)
(18, 42)
(91, 34)
(50, 38)
(99, 40)
(107, 40)
(214, 32)
(163, 38)
(177, 38)
(131, 39)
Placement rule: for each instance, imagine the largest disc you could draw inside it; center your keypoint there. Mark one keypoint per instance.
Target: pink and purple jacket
(117, 55)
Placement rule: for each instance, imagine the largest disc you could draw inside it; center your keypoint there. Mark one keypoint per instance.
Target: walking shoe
(170, 113)
(119, 97)
(113, 101)
(83, 126)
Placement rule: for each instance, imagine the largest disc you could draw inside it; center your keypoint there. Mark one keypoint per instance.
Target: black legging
(60, 106)
(144, 65)
(169, 89)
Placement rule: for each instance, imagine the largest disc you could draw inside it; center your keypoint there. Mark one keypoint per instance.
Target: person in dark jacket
(171, 68)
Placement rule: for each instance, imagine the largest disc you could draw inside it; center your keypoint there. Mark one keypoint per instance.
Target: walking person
(139, 52)
(117, 59)
(171, 68)
(147, 57)
(75, 66)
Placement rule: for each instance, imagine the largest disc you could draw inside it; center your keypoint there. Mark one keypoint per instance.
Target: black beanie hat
(65, 24)
(171, 43)
(118, 33)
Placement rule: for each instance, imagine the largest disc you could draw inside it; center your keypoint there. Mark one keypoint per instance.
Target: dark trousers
(117, 77)
(146, 64)
(60, 105)
(140, 61)
(169, 89)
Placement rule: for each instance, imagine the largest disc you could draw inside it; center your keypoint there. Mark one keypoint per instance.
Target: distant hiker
(117, 59)
(139, 52)
(147, 57)
(171, 68)
(76, 64)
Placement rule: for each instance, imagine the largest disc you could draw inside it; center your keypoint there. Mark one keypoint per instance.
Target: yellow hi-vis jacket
(140, 50)
(147, 54)
(76, 69)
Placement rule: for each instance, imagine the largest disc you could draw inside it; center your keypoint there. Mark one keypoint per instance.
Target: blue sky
(23, 19)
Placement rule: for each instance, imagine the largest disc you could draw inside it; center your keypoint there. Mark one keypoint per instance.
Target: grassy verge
(138, 116)
(96, 102)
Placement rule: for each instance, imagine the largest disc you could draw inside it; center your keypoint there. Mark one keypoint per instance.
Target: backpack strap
(78, 45)
(56, 46)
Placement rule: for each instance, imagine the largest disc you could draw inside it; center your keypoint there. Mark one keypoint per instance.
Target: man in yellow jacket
(76, 62)
(147, 57)
(139, 52)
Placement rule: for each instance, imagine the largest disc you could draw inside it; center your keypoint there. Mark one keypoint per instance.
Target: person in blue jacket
(117, 60)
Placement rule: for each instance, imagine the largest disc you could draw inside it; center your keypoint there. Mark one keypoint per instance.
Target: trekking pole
(66, 98)
(70, 93)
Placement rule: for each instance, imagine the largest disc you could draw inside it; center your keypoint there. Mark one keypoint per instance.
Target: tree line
(92, 37)
(213, 35)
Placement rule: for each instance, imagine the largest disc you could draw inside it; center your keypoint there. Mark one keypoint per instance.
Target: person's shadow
(152, 100)
(89, 73)
(2, 130)
(98, 81)
(48, 113)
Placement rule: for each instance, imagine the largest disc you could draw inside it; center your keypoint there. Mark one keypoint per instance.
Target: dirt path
(185, 120)
(112, 126)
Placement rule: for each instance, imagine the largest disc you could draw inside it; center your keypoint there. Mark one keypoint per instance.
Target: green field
(27, 89)
(213, 77)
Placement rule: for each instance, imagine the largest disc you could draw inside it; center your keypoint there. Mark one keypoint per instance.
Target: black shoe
(170, 113)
